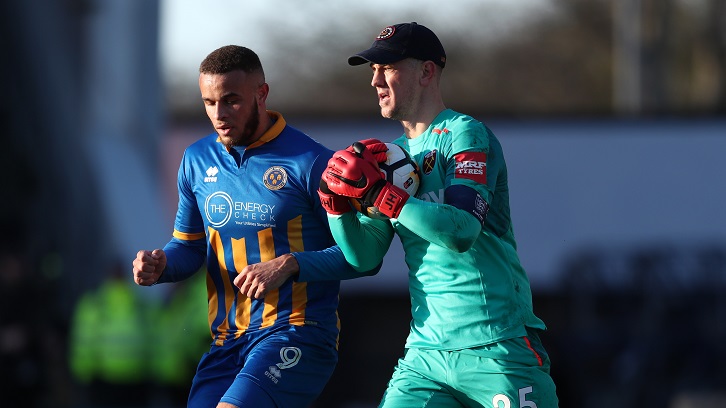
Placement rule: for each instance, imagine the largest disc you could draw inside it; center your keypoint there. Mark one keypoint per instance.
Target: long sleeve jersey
(467, 285)
(250, 204)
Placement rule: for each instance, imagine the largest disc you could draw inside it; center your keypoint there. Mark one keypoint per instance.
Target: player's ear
(262, 92)
(428, 71)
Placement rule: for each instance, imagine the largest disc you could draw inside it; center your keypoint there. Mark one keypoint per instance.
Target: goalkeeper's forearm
(364, 241)
(440, 224)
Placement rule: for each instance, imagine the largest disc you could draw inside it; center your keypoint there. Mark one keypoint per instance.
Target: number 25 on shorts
(502, 401)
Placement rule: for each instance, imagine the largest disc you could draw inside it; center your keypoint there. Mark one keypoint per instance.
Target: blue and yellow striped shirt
(251, 205)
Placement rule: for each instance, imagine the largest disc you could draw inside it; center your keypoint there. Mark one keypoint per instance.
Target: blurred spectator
(180, 336)
(109, 340)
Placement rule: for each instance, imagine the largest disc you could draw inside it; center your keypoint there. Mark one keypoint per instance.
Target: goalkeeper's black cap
(401, 41)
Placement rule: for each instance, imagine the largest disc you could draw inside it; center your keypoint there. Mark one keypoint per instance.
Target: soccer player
(474, 339)
(248, 204)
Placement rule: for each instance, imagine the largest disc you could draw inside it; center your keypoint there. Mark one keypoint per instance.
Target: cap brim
(357, 60)
(376, 56)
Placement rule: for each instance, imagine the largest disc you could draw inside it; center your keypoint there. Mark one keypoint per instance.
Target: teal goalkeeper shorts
(510, 374)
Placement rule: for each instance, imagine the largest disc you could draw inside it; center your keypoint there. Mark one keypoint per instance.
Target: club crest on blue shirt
(275, 178)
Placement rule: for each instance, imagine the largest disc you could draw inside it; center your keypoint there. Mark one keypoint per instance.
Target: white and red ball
(400, 169)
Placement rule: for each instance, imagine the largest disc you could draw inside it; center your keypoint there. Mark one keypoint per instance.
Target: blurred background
(611, 113)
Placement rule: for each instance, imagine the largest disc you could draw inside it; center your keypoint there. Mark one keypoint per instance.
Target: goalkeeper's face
(397, 88)
(233, 102)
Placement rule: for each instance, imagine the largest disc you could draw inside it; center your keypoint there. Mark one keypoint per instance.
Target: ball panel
(400, 169)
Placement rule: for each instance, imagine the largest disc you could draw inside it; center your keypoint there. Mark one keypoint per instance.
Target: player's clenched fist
(148, 266)
(350, 175)
(355, 173)
(377, 149)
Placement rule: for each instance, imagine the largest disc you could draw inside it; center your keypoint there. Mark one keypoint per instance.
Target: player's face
(233, 102)
(397, 88)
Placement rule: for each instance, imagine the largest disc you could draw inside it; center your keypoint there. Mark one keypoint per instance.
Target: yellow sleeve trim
(188, 237)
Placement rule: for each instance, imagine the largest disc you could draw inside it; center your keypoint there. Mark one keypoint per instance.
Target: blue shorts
(278, 367)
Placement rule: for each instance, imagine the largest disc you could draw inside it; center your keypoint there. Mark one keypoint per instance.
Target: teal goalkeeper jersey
(458, 300)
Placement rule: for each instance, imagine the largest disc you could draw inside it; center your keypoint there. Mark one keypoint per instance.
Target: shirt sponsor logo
(211, 174)
(433, 196)
(275, 178)
(471, 165)
(220, 208)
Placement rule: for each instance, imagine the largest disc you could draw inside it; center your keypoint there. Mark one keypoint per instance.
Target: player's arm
(184, 258)
(329, 264)
(304, 266)
(152, 267)
(453, 225)
(473, 168)
(363, 248)
(456, 223)
(364, 241)
(445, 225)
(256, 280)
(187, 250)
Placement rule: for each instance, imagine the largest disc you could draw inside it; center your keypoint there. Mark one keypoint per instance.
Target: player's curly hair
(231, 58)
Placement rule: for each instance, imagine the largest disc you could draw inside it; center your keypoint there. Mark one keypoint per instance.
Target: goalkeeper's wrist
(387, 198)
(333, 203)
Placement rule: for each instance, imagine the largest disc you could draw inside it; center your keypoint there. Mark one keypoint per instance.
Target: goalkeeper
(474, 338)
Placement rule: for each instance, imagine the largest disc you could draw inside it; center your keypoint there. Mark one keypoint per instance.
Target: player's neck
(425, 115)
(265, 123)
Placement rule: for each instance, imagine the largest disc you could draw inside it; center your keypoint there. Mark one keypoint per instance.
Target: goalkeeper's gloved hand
(377, 148)
(356, 174)
(331, 202)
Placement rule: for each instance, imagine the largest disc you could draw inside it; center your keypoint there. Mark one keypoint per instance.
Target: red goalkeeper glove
(356, 174)
(377, 148)
(331, 202)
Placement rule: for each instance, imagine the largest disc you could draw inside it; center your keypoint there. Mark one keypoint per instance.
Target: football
(401, 170)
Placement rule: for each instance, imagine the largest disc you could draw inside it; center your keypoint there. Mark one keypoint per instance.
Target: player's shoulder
(299, 142)
(454, 125)
(204, 143)
(463, 132)
(457, 122)
(203, 147)
(303, 138)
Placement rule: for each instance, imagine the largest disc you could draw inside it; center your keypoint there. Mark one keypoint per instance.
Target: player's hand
(256, 280)
(331, 202)
(355, 174)
(377, 148)
(350, 174)
(148, 266)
